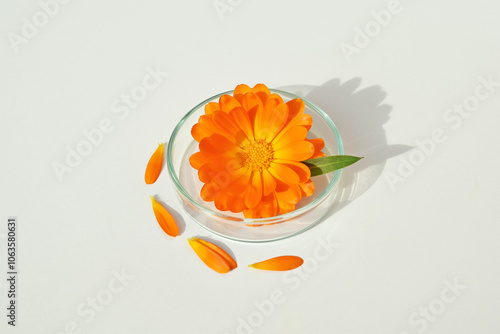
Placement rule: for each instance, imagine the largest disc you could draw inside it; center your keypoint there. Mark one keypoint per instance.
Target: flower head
(251, 146)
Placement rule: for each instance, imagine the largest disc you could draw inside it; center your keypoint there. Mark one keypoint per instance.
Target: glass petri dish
(309, 211)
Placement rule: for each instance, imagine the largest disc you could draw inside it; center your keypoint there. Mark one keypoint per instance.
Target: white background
(397, 248)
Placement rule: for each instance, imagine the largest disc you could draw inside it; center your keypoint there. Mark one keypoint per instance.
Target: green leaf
(323, 165)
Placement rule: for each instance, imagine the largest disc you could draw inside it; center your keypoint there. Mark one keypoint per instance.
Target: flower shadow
(360, 115)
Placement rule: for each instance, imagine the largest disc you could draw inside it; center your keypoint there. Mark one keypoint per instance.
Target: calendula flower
(251, 146)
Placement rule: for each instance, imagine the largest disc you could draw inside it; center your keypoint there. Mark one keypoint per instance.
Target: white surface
(396, 248)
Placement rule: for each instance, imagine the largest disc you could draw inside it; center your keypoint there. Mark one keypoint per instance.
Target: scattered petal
(280, 263)
(212, 255)
(155, 164)
(164, 218)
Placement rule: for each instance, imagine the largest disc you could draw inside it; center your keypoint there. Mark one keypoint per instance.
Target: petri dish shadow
(360, 115)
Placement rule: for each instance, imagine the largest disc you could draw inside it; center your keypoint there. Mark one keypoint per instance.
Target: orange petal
(222, 144)
(300, 120)
(236, 204)
(155, 164)
(299, 168)
(318, 143)
(280, 263)
(297, 150)
(285, 207)
(292, 134)
(252, 104)
(284, 173)
(253, 194)
(240, 91)
(204, 128)
(278, 119)
(197, 160)
(239, 185)
(276, 97)
(307, 189)
(229, 128)
(268, 207)
(304, 120)
(296, 107)
(262, 92)
(240, 117)
(252, 213)
(198, 132)
(221, 200)
(221, 170)
(205, 173)
(268, 183)
(261, 126)
(225, 163)
(210, 125)
(206, 147)
(280, 185)
(206, 122)
(232, 263)
(318, 155)
(224, 122)
(211, 107)
(275, 117)
(164, 218)
(216, 145)
(290, 196)
(209, 191)
(212, 255)
(287, 199)
(228, 103)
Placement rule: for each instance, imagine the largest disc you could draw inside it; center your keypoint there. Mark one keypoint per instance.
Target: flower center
(257, 155)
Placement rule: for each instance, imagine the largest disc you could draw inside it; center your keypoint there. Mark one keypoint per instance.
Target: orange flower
(251, 146)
